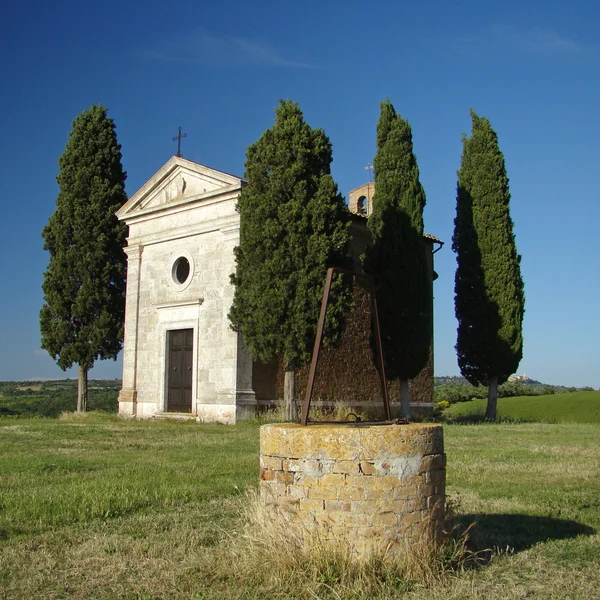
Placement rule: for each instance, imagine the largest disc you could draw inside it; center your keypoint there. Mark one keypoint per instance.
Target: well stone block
(377, 487)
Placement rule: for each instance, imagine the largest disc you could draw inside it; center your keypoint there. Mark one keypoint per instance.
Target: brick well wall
(377, 487)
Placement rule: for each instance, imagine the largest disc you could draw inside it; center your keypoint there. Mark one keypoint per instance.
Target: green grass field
(572, 407)
(98, 507)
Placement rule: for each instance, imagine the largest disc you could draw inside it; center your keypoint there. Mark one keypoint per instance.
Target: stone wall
(347, 373)
(378, 487)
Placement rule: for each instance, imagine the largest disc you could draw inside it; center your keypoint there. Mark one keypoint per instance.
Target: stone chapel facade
(180, 355)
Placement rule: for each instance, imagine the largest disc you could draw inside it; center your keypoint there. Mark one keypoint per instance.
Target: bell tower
(361, 199)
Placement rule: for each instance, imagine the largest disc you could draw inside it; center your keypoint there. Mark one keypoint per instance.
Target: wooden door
(179, 378)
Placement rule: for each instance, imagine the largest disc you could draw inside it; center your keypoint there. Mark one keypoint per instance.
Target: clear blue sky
(219, 69)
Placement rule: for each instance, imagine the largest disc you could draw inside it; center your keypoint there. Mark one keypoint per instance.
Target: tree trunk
(289, 394)
(405, 398)
(491, 412)
(82, 389)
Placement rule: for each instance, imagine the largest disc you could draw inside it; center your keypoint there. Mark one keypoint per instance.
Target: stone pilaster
(128, 394)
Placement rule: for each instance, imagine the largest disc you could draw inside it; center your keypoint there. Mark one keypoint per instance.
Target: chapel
(181, 359)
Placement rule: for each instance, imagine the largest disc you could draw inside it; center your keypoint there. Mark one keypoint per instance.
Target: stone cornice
(184, 204)
(229, 225)
(133, 251)
(180, 303)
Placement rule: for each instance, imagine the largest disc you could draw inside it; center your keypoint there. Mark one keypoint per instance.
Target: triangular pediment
(179, 181)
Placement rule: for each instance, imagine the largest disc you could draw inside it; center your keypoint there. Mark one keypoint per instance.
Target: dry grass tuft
(273, 414)
(336, 411)
(273, 557)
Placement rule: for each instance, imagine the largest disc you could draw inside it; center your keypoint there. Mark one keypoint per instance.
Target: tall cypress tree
(397, 256)
(489, 297)
(293, 225)
(84, 286)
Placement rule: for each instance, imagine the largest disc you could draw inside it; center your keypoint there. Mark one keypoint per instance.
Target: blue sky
(219, 69)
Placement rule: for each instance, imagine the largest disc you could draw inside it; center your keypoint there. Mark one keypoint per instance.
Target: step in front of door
(175, 416)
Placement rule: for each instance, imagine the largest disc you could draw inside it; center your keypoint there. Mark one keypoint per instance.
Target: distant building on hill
(522, 379)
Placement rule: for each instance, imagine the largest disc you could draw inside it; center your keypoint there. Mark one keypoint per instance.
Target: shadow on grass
(514, 532)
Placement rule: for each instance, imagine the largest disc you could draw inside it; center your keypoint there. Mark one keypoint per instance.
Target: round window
(181, 270)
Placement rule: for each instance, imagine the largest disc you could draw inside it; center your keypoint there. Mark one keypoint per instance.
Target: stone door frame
(170, 322)
(187, 353)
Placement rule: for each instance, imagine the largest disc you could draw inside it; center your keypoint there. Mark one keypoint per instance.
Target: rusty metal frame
(367, 283)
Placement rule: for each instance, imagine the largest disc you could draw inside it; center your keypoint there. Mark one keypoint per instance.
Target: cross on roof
(177, 138)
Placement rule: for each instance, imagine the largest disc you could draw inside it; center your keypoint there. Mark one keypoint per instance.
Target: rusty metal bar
(382, 379)
(368, 283)
(317, 347)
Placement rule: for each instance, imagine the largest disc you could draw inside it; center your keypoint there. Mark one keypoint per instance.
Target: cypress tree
(293, 225)
(489, 297)
(84, 285)
(397, 256)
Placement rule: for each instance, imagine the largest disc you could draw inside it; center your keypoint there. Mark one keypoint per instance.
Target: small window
(181, 270)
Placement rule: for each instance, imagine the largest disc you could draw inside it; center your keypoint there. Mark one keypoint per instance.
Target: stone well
(380, 487)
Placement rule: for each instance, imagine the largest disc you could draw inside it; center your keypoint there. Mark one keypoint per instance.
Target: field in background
(98, 507)
(572, 407)
(50, 398)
